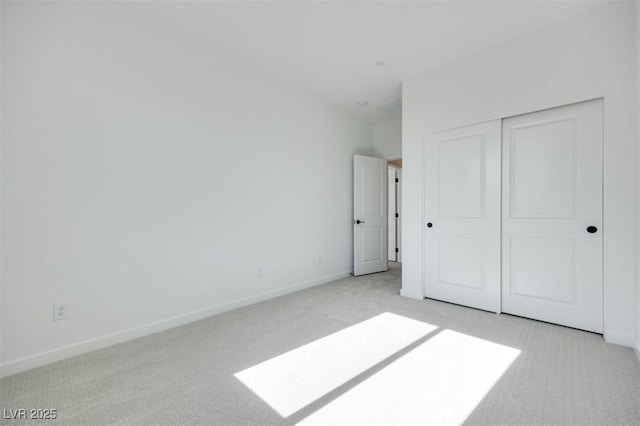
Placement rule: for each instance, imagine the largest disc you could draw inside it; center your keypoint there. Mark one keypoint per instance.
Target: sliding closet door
(462, 216)
(552, 215)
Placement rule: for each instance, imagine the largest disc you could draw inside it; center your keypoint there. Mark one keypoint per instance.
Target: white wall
(1, 133)
(590, 56)
(145, 179)
(637, 346)
(387, 138)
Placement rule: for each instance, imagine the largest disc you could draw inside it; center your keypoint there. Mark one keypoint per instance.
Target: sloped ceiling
(331, 49)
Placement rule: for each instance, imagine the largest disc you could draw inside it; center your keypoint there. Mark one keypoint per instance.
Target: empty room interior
(320, 212)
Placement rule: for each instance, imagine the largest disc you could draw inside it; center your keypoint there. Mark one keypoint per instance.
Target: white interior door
(391, 212)
(462, 216)
(552, 215)
(370, 215)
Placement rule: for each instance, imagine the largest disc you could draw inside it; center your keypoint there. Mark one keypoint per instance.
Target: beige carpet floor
(423, 362)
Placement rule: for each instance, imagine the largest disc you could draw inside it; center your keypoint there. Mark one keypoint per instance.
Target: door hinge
(396, 180)
(397, 250)
(397, 215)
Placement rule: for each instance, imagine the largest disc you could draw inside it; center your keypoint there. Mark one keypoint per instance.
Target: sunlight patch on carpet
(439, 382)
(293, 380)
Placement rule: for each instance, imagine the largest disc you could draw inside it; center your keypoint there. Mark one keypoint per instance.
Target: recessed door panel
(462, 216)
(544, 268)
(457, 250)
(371, 242)
(461, 166)
(552, 195)
(543, 165)
(372, 183)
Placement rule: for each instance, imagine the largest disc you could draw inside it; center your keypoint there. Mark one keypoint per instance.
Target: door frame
(392, 220)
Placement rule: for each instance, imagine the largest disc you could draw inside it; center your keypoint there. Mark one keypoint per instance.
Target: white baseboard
(618, 339)
(411, 294)
(44, 358)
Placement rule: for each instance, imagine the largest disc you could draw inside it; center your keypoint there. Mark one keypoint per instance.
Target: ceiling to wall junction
(359, 51)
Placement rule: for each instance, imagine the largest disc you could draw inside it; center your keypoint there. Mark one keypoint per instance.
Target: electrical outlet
(59, 311)
(259, 272)
(320, 261)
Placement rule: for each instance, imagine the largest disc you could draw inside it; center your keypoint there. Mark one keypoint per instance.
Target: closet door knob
(429, 225)
(592, 229)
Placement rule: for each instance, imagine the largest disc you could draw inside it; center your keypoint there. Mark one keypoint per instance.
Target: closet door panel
(462, 216)
(552, 215)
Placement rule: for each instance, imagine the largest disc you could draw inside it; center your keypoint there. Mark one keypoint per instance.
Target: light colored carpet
(186, 375)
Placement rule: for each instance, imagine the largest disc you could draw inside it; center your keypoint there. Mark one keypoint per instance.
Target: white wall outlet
(319, 260)
(59, 311)
(259, 272)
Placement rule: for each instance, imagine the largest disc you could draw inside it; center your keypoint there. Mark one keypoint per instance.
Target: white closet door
(552, 215)
(462, 216)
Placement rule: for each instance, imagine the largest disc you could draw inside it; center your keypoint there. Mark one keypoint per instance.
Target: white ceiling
(331, 48)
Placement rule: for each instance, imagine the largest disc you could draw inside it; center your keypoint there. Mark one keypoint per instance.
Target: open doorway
(394, 227)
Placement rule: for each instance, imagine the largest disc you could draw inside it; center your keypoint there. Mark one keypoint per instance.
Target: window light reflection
(291, 381)
(439, 382)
